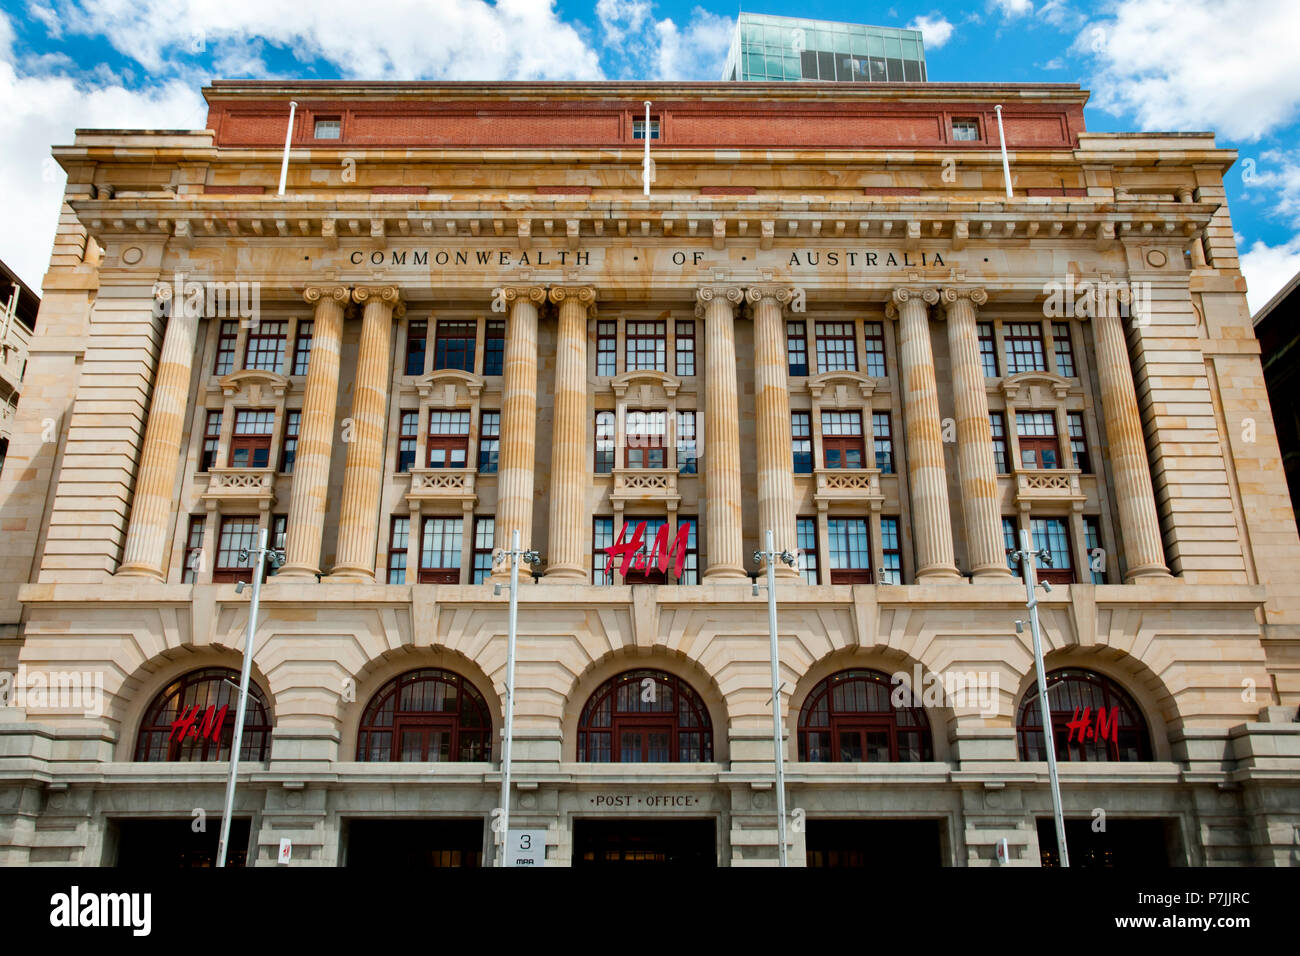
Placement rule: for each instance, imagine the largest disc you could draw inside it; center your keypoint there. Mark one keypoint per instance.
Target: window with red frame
(998, 429)
(685, 343)
(302, 347)
(250, 445)
(1071, 693)
(1078, 442)
(1036, 434)
(440, 544)
(448, 439)
(645, 442)
(180, 724)
(211, 440)
(603, 463)
(849, 542)
(398, 538)
(289, 451)
(1062, 349)
(1024, 346)
(1053, 535)
(988, 349)
(837, 349)
(796, 348)
(606, 348)
(690, 566)
(265, 348)
(227, 337)
(842, 442)
(494, 348)
(874, 336)
(645, 344)
(454, 345)
(417, 338)
(850, 717)
(428, 715)
(237, 532)
(645, 716)
(193, 560)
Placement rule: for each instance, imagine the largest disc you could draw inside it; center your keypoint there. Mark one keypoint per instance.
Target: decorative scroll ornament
(794, 297)
(314, 293)
(390, 295)
(706, 294)
(584, 294)
(949, 295)
(503, 296)
(903, 294)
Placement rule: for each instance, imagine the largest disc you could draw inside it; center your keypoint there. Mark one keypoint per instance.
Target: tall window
(489, 442)
(448, 438)
(494, 348)
(408, 435)
(1011, 541)
(644, 346)
(836, 349)
(606, 348)
(875, 339)
(685, 348)
(1078, 442)
(602, 537)
(302, 347)
(652, 574)
(850, 717)
(238, 532)
(801, 442)
(265, 350)
(842, 443)
(484, 542)
(279, 530)
(211, 440)
(1092, 540)
(426, 715)
(806, 529)
(645, 440)
(250, 446)
(891, 567)
(645, 716)
(998, 427)
(1024, 342)
(417, 337)
(440, 551)
(227, 336)
(1063, 349)
(193, 719)
(849, 544)
(1053, 535)
(796, 347)
(687, 448)
(454, 346)
(1036, 433)
(290, 450)
(399, 531)
(988, 349)
(884, 438)
(1114, 730)
(605, 434)
(193, 561)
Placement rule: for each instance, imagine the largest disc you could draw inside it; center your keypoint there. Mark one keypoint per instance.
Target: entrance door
(874, 843)
(413, 844)
(1131, 844)
(166, 844)
(657, 842)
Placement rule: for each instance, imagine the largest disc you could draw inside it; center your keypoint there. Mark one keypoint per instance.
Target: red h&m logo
(633, 552)
(189, 725)
(1106, 728)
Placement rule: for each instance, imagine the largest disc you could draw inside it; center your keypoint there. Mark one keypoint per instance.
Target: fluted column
(363, 471)
(311, 467)
(569, 520)
(721, 464)
(772, 422)
(976, 468)
(926, 473)
(155, 483)
(515, 480)
(1138, 521)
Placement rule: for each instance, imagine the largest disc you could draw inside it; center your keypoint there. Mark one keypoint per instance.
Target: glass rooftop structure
(766, 48)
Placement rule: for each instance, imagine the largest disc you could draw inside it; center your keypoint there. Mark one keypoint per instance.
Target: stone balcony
(1038, 486)
(241, 485)
(443, 485)
(855, 485)
(646, 484)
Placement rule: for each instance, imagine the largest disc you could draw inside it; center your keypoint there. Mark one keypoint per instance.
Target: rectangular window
(265, 349)
(604, 463)
(638, 128)
(685, 348)
(690, 566)
(988, 349)
(302, 347)
(882, 430)
(237, 533)
(448, 438)
(328, 127)
(193, 561)
(836, 349)
(1011, 541)
(494, 348)
(688, 453)
(211, 440)
(485, 531)
(891, 568)
(1036, 432)
(602, 537)
(998, 427)
(796, 347)
(1053, 535)
(965, 131)
(440, 551)
(279, 530)
(227, 335)
(1096, 556)
(290, 450)
(645, 440)
(250, 446)
(801, 442)
(408, 435)
(489, 443)
(1078, 443)
(842, 443)
(1063, 349)
(806, 529)
(850, 549)
(417, 338)
(454, 346)
(606, 348)
(644, 346)
(875, 339)
(1024, 347)
(398, 539)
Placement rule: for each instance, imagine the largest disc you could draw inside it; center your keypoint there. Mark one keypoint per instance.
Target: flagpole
(1002, 140)
(288, 138)
(774, 654)
(508, 730)
(645, 171)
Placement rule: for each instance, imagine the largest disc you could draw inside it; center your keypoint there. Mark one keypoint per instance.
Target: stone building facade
(463, 317)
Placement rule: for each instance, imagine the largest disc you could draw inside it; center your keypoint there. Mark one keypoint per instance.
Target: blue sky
(1222, 65)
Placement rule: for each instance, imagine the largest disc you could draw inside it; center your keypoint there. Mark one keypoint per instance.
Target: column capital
(705, 294)
(315, 293)
(783, 295)
(949, 295)
(389, 295)
(902, 294)
(584, 295)
(505, 296)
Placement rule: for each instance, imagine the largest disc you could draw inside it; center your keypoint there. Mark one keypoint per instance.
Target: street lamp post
(771, 556)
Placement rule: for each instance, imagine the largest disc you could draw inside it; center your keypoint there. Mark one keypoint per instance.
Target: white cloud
(1267, 269)
(696, 53)
(1225, 65)
(935, 30)
(1276, 176)
(1013, 8)
(619, 18)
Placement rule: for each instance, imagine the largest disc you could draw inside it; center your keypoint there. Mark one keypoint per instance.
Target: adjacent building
(18, 306)
(768, 49)
(1278, 331)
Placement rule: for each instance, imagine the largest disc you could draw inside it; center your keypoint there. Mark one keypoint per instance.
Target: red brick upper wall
(558, 116)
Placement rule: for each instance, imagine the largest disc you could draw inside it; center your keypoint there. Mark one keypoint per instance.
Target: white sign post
(526, 848)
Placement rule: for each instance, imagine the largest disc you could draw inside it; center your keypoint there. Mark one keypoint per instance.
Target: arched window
(645, 716)
(193, 718)
(426, 715)
(850, 717)
(1093, 718)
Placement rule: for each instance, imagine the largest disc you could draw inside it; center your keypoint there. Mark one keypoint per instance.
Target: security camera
(1046, 558)
(788, 558)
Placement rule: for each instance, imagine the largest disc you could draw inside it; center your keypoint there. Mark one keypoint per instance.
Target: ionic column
(721, 432)
(155, 483)
(975, 465)
(568, 529)
(926, 473)
(515, 478)
(772, 422)
(363, 472)
(311, 467)
(1138, 521)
